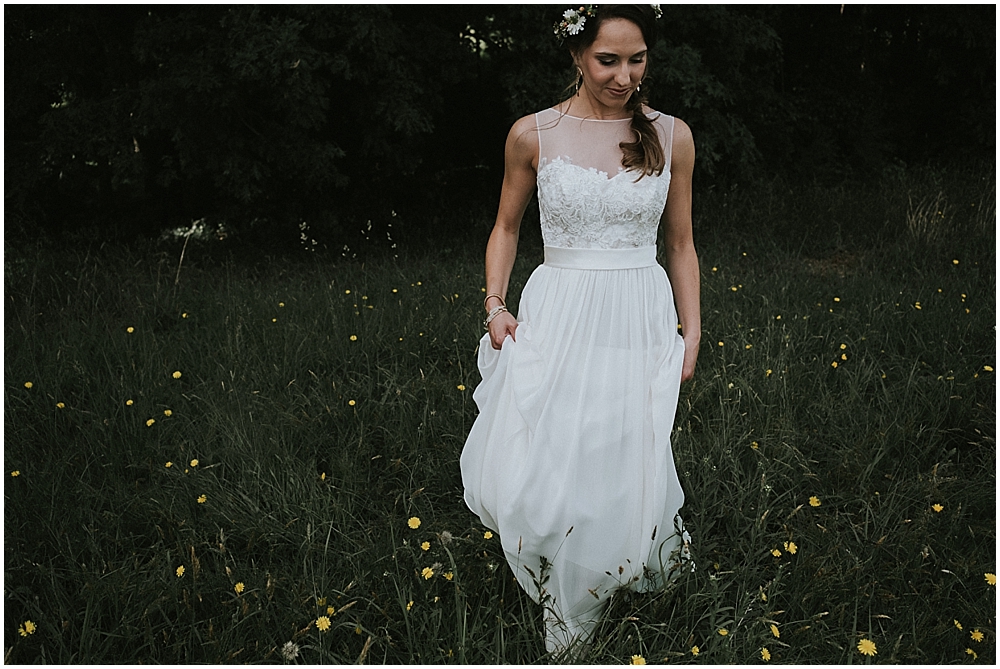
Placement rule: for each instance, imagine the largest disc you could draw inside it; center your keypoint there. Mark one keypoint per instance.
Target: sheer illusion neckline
(602, 120)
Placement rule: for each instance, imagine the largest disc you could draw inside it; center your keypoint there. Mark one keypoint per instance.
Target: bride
(569, 459)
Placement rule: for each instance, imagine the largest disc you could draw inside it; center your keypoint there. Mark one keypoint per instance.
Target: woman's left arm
(682, 260)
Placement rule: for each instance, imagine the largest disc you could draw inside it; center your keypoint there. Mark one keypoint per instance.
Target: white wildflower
(290, 651)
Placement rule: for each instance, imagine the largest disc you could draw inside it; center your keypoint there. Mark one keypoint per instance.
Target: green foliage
(264, 117)
(327, 401)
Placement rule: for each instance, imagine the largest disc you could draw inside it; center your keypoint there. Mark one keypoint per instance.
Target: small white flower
(570, 15)
(576, 26)
(290, 651)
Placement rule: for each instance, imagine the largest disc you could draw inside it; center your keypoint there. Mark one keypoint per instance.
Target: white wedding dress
(569, 460)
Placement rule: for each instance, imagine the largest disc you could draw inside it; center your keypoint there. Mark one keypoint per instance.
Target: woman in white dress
(569, 460)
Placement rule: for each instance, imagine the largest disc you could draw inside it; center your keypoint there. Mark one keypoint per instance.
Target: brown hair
(645, 154)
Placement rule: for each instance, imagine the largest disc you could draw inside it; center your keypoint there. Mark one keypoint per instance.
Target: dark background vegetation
(128, 120)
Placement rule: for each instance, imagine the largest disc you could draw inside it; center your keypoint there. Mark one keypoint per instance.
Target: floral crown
(573, 20)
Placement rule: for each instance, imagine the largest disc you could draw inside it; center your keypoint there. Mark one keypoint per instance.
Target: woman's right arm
(520, 164)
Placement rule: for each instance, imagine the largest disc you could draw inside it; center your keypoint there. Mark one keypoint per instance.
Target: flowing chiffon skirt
(569, 460)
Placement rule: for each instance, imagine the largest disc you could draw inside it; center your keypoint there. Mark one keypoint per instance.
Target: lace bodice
(585, 198)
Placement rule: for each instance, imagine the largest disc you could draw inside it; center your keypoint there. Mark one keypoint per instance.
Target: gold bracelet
(496, 295)
(494, 312)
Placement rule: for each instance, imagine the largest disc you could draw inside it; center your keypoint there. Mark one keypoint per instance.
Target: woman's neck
(583, 105)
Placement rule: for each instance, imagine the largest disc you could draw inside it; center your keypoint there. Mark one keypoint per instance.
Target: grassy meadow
(259, 462)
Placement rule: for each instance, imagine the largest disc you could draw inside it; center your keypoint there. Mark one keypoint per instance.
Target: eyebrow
(606, 54)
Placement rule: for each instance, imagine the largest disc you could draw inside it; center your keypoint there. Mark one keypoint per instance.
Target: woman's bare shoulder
(683, 137)
(522, 140)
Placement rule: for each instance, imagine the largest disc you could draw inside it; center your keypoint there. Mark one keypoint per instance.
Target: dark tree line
(269, 116)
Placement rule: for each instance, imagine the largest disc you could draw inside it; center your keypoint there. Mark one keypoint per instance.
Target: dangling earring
(638, 87)
(579, 80)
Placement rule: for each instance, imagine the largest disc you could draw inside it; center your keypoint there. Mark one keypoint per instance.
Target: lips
(620, 92)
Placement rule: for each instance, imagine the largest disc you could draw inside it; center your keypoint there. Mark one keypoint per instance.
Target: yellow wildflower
(16, 473)
(281, 304)
(448, 575)
(169, 464)
(321, 601)
(27, 628)
(937, 507)
(323, 623)
(130, 329)
(426, 546)
(765, 654)
(775, 632)
(843, 346)
(28, 384)
(487, 535)
(180, 571)
(834, 364)
(427, 573)
(723, 632)
(987, 368)
(695, 650)
(867, 647)
(638, 659)
(958, 625)
(60, 405)
(202, 499)
(754, 445)
(194, 463)
(461, 386)
(976, 636)
(149, 423)
(351, 403)
(409, 605)
(722, 343)
(969, 651)
(168, 413)
(239, 587)
(129, 403)
(791, 547)
(775, 552)
(990, 578)
(176, 375)
(413, 522)
(354, 337)
(330, 610)
(814, 501)
(767, 373)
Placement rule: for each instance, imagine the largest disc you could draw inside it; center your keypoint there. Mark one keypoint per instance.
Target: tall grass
(845, 387)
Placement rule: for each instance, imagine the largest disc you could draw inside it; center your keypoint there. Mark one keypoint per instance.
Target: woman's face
(614, 64)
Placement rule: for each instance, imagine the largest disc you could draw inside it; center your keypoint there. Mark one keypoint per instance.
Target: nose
(623, 77)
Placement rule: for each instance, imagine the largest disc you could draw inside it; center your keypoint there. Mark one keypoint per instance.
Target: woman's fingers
(690, 358)
(501, 327)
